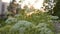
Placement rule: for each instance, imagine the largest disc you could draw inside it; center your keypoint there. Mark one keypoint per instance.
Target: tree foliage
(13, 7)
(57, 8)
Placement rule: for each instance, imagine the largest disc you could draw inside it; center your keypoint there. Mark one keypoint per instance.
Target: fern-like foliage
(11, 20)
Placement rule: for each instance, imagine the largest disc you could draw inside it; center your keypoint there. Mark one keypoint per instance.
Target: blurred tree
(49, 5)
(13, 7)
(57, 8)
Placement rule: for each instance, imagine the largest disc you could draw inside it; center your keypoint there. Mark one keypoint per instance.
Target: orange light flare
(34, 12)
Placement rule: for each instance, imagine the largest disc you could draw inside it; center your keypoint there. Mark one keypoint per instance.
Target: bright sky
(8, 0)
(36, 3)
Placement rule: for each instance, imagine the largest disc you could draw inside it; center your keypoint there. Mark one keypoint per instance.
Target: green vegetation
(25, 23)
(37, 23)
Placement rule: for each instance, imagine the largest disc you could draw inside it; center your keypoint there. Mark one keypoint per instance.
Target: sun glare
(37, 4)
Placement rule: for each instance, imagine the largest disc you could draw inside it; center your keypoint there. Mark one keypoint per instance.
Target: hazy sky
(36, 3)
